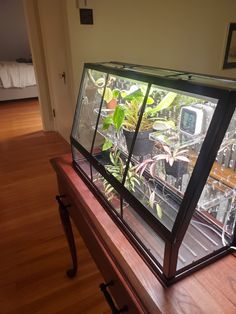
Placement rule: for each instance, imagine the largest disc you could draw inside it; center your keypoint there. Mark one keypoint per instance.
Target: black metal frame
(215, 134)
(227, 64)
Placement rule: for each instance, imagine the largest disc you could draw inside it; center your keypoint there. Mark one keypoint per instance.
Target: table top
(211, 289)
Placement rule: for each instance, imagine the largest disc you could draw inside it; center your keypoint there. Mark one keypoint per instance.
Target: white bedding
(15, 74)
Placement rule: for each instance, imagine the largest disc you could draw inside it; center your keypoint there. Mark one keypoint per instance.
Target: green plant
(109, 94)
(99, 83)
(153, 203)
(117, 169)
(127, 114)
(116, 119)
(133, 104)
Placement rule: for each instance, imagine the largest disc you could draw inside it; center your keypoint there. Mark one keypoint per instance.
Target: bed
(17, 81)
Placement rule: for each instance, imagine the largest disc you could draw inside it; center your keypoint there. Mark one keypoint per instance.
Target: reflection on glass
(213, 223)
(217, 202)
(89, 100)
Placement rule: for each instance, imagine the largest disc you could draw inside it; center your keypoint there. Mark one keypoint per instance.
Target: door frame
(38, 50)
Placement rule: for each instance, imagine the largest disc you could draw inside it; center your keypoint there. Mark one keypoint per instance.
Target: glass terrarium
(158, 148)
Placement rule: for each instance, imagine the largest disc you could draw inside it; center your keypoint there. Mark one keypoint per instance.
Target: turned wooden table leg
(65, 219)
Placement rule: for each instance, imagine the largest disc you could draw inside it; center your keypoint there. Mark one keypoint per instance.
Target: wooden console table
(130, 286)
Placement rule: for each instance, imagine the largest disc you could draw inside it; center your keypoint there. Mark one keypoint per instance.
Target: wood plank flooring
(33, 250)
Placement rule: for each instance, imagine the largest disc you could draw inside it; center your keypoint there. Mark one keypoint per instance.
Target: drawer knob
(103, 287)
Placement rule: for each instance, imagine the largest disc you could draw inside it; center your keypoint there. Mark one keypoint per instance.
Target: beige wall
(185, 34)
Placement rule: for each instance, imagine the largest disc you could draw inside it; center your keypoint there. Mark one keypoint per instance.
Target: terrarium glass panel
(217, 201)
(170, 135)
(148, 238)
(213, 223)
(89, 101)
(110, 146)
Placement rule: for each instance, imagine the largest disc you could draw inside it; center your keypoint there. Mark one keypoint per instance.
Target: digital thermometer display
(188, 121)
(191, 120)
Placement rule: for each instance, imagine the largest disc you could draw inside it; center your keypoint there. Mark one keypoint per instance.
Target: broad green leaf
(108, 96)
(159, 211)
(107, 121)
(163, 125)
(116, 93)
(107, 144)
(118, 117)
(135, 95)
(150, 101)
(165, 102)
(123, 93)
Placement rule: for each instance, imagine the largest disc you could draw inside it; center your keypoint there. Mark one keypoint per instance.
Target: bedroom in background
(17, 76)
(47, 24)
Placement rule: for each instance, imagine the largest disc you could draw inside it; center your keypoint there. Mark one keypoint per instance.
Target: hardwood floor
(33, 250)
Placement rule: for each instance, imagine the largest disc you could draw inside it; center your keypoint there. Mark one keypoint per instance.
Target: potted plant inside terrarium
(133, 101)
(127, 115)
(114, 121)
(110, 95)
(175, 161)
(117, 167)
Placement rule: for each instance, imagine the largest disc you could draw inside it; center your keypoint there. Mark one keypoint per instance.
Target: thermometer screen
(188, 121)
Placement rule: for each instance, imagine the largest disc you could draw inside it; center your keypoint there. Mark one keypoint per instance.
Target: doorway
(48, 37)
(17, 75)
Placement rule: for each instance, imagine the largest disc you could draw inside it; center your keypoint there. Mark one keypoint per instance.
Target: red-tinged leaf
(181, 152)
(183, 158)
(152, 169)
(147, 161)
(140, 166)
(167, 149)
(171, 161)
(160, 157)
(143, 169)
(143, 164)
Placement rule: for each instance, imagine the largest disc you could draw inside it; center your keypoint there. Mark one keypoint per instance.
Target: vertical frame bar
(136, 132)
